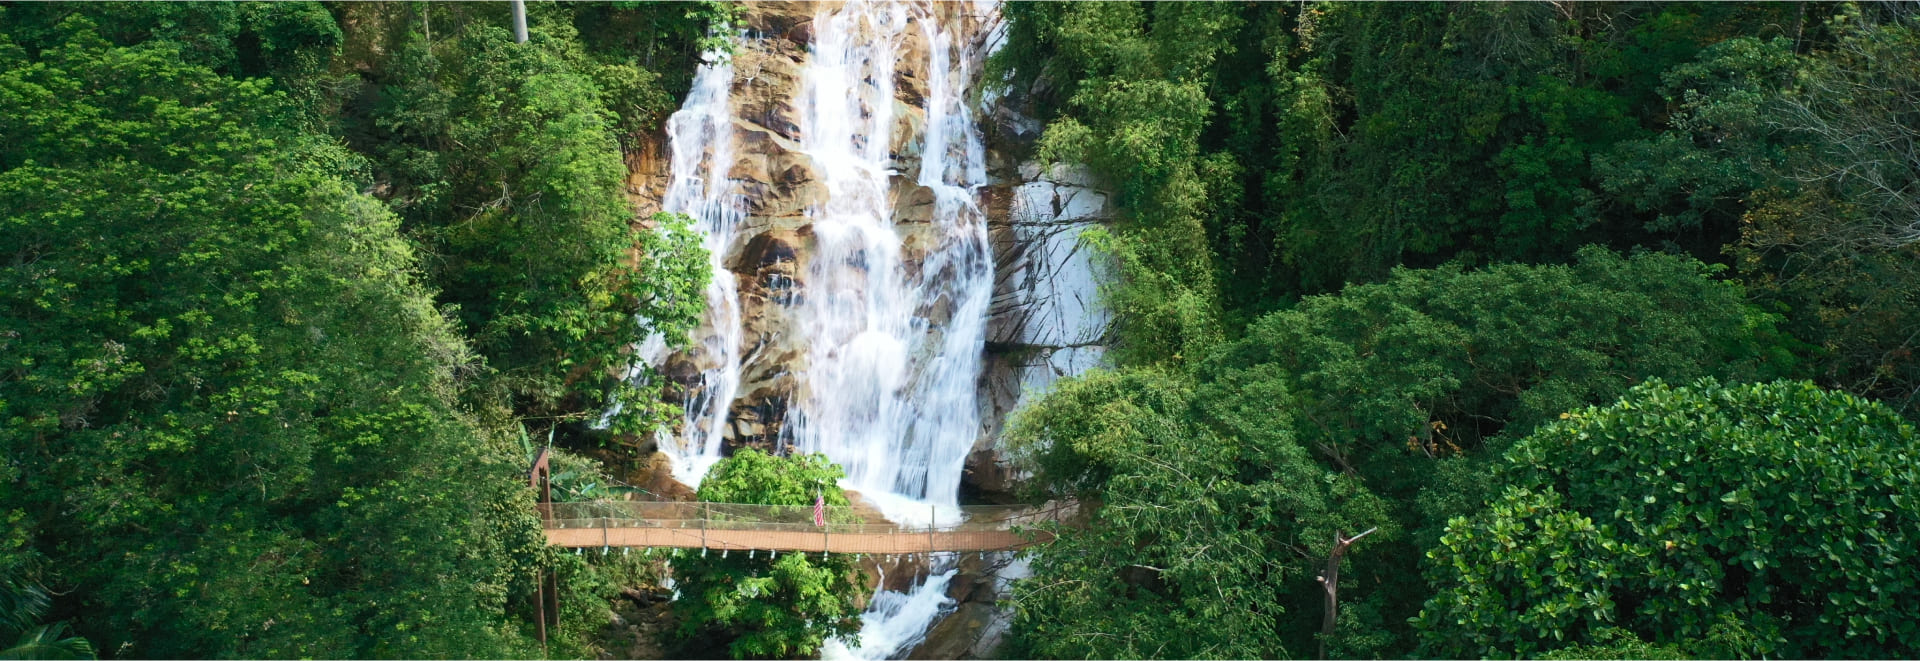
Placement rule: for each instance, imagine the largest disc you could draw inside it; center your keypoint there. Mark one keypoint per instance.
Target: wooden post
(553, 595)
(540, 604)
(1330, 582)
(541, 479)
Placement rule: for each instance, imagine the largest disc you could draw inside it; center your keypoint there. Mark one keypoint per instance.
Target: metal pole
(932, 515)
(703, 525)
(519, 21)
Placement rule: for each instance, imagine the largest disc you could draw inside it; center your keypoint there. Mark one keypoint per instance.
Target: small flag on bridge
(819, 510)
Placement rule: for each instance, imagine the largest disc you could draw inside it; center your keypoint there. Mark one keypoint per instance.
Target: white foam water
(889, 389)
(895, 351)
(895, 334)
(895, 621)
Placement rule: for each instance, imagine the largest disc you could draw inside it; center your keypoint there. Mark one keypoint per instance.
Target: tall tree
(1209, 525)
(503, 163)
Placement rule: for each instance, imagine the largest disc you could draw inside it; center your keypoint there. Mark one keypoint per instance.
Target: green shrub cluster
(1777, 511)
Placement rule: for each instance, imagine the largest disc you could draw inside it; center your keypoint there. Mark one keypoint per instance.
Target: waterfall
(893, 299)
(893, 317)
(894, 621)
(700, 136)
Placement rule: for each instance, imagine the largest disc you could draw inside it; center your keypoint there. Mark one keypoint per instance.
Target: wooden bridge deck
(728, 526)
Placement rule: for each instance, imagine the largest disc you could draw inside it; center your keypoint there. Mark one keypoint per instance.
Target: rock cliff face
(1046, 321)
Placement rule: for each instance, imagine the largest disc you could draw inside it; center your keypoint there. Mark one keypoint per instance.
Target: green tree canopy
(1262, 152)
(229, 403)
(1769, 519)
(504, 163)
(1209, 527)
(1367, 408)
(1807, 154)
(1432, 361)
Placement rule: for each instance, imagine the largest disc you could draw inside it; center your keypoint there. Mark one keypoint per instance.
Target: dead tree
(1330, 582)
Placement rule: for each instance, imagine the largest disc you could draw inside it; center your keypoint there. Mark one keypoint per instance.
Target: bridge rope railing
(791, 518)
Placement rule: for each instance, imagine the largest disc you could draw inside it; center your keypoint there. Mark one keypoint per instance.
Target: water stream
(700, 136)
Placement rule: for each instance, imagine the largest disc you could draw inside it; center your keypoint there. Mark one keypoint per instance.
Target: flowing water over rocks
(885, 288)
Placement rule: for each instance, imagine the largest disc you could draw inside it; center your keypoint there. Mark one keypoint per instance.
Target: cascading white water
(895, 347)
(894, 621)
(896, 351)
(700, 136)
(895, 335)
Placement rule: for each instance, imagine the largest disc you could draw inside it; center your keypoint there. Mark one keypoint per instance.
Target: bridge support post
(540, 478)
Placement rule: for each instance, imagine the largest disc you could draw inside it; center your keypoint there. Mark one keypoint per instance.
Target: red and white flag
(819, 510)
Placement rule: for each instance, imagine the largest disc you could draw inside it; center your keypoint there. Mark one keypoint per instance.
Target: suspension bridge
(731, 526)
(738, 527)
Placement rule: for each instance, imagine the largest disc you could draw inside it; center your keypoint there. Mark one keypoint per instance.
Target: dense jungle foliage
(1425, 269)
(1565, 330)
(286, 285)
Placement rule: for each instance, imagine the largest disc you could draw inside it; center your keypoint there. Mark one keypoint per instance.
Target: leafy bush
(1771, 519)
